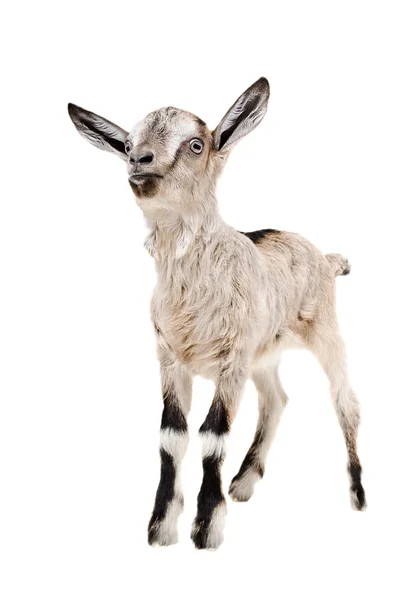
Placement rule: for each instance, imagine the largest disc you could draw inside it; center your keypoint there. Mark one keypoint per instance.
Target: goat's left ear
(99, 131)
(245, 114)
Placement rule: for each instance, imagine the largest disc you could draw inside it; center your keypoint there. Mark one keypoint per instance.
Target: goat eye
(128, 147)
(196, 145)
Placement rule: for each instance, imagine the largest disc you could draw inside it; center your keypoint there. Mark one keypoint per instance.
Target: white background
(80, 399)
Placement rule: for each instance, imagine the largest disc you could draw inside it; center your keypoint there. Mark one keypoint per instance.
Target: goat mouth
(142, 176)
(144, 185)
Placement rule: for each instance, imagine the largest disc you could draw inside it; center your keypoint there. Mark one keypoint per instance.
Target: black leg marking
(251, 459)
(251, 470)
(206, 533)
(162, 525)
(217, 420)
(164, 495)
(356, 488)
(210, 496)
(357, 493)
(173, 417)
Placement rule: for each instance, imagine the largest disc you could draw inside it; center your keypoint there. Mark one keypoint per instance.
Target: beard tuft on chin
(147, 188)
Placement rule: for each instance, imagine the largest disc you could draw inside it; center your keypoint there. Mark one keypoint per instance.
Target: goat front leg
(207, 529)
(177, 393)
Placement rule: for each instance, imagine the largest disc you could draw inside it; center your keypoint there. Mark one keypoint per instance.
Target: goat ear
(245, 114)
(98, 131)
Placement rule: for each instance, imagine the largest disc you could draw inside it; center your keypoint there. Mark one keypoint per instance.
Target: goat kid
(225, 306)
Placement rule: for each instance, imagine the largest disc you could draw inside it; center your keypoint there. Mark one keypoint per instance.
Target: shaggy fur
(226, 304)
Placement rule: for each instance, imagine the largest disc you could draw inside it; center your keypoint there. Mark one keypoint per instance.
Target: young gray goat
(225, 306)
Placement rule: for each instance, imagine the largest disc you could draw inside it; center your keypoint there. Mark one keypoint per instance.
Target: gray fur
(224, 307)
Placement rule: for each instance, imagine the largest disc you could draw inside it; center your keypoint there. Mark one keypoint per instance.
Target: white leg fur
(213, 445)
(215, 531)
(165, 530)
(175, 443)
(242, 488)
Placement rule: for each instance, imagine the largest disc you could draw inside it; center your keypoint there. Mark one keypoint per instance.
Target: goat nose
(141, 155)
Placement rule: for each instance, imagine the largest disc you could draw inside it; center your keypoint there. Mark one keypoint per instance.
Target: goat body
(230, 298)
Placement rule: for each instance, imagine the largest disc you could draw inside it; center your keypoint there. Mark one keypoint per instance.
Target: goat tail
(339, 264)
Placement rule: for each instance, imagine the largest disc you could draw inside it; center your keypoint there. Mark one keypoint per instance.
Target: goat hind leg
(272, 400)
(329, 349)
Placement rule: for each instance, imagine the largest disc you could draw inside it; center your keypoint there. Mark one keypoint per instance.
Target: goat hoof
(207, 533)
(242, 486)
(160, 534)
(357, 498)
(239, 491)
(201, 537)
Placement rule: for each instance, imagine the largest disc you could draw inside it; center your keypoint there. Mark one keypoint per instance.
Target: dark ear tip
(262, 84)
(71, 109)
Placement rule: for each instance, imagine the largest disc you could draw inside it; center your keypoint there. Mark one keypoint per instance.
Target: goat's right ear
(99, 131)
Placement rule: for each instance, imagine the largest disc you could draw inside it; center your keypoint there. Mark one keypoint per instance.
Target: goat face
(171, 153)
(167, 153)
